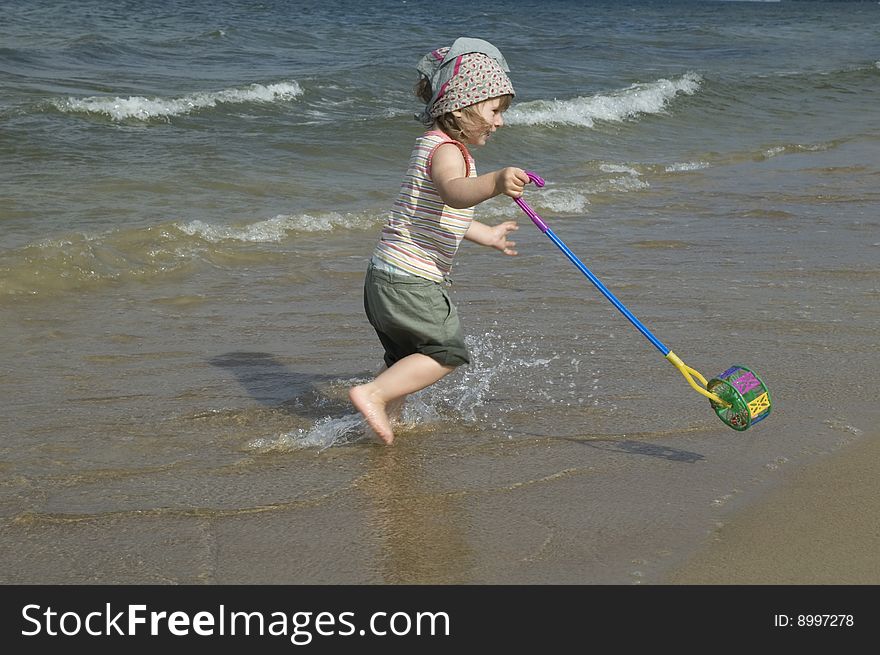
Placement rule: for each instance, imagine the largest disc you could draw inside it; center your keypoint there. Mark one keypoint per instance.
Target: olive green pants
(413, 315)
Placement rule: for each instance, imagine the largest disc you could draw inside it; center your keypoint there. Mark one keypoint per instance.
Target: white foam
(630, 181)
(618, 106)
(773, 151)
(551, 200)
(618, 168)
(274, 230)
(686, 166)
(564, 201)
(141, 108)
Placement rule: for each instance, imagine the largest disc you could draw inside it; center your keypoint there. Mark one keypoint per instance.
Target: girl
(466, 90)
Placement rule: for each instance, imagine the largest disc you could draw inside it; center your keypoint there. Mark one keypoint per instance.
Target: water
(189, 194)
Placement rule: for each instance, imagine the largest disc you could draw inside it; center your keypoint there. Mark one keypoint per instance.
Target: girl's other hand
(499, 238)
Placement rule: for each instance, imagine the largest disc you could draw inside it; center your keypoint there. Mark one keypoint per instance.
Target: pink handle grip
(539, 182)
(534, 177)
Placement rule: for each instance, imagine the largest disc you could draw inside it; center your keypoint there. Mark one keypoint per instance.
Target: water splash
(326, 432)
(520, 369)
(493, 360)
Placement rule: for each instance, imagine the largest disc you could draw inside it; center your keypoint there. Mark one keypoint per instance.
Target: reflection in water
(420, 533)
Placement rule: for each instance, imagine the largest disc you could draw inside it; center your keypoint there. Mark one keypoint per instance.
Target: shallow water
(183, 250)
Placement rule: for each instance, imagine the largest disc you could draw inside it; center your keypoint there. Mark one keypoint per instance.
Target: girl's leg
(408, 375)
(393, 408)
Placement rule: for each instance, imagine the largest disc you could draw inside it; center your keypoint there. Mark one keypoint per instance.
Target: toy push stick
(738, 396)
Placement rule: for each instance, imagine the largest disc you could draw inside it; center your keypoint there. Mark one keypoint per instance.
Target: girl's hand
(499, 240)
(511, 181)
(494, 236)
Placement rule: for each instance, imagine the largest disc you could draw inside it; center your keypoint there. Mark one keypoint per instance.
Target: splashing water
(492, 359)
(326, 432)
(496, 363)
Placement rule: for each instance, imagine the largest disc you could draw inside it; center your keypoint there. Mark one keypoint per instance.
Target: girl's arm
(448, 172)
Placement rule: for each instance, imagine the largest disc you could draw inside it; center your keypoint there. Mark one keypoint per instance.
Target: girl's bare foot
(373, 410)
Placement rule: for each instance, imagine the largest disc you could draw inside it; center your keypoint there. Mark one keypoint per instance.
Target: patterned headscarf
(465, 73)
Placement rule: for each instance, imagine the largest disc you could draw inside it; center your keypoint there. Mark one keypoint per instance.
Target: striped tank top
(422, 234)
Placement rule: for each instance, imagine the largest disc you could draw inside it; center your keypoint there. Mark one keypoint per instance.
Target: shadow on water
(627, 446)
(270, 382)
(641, 448)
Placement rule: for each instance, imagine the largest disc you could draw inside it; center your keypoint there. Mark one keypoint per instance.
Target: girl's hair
(470, 124)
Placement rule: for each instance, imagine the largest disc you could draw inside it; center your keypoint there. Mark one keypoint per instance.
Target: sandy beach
(820, 526)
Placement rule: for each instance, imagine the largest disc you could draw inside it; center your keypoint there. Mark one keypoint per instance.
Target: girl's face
(492, 115)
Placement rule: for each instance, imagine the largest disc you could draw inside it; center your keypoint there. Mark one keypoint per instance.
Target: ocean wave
(618, 168)
(79, 261)
(144, 109)
(794, 148)
(618, 185)
(275, 230)
(678, 167)
(552, 200)
(618, 106)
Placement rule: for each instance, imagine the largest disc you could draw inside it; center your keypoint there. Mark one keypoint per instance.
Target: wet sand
(821, 526)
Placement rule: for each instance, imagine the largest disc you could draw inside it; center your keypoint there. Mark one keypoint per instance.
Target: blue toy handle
(539, 222)
(693, 376)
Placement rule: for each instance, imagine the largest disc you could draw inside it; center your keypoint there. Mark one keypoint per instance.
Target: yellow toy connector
(689, 375)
